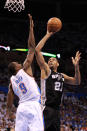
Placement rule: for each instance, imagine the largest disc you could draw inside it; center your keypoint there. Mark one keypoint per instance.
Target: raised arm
(76, 80)
(39, 57)
(31, 40)
(31, 47)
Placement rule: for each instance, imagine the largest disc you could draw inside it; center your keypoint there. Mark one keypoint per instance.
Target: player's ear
(57, 64)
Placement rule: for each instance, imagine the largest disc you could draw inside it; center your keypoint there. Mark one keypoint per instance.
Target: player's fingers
(77, 53)
(79, 58)
(32, 23)
(73, 59)
(30, 17)
(51, 33)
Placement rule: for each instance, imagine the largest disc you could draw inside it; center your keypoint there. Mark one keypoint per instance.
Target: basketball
(54, 24)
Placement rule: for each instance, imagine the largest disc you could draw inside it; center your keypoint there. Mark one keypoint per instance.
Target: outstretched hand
(31, 21)
(76, 60)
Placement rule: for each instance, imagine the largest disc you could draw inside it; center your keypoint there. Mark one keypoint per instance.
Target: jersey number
(58, 86)
(23, 88)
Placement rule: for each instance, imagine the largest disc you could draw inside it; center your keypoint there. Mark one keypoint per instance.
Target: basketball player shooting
(29, 114)
(52, 84)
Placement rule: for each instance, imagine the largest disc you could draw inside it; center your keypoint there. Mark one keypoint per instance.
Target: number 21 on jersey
(58, 86)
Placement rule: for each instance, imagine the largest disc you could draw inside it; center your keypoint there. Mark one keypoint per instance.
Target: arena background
(14, 30)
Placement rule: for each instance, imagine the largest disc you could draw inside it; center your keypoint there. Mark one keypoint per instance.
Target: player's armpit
(45, 71)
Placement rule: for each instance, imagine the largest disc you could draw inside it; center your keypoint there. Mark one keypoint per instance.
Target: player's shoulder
(63, 74)
(44, 75)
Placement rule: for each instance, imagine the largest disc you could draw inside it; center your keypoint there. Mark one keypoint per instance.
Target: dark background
(14, 30)
(72, 14)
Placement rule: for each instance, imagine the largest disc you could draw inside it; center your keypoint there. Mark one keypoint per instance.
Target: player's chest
(55, 82)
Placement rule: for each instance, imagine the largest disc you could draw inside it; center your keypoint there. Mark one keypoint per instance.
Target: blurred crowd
(73, 112)
(6, 122)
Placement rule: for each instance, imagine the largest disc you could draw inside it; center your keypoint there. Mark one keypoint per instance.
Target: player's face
(17, 65)
(53, 62)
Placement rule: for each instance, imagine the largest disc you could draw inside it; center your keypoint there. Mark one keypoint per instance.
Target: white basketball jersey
(25, 87)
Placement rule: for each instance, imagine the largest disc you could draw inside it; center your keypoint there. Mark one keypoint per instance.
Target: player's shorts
(52, 119)
(29, 117)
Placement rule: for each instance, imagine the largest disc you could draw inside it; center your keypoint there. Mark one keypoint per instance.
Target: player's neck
(55, 70)
(18, 70)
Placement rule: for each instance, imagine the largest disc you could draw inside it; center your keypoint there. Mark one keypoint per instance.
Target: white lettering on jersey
(54, 76)
(58, 86)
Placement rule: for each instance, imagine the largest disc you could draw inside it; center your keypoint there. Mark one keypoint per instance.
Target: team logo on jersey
(58, 76)
(55, 76)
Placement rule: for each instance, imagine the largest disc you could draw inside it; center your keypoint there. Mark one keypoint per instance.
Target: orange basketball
(54, 24)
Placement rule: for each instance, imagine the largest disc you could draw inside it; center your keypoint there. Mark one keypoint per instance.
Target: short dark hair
(11, 68)
(55, 58)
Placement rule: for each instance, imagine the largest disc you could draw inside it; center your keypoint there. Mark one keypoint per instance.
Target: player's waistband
(30, 100)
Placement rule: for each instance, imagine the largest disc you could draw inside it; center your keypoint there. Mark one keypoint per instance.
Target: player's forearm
(10, 97)
(40, 59)
(39, 56)
(42, 42)
(31, 47)
(31, 40)
(9, 101)
(77, 75)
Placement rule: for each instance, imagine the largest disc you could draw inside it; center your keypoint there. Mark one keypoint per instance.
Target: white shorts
(29, 117)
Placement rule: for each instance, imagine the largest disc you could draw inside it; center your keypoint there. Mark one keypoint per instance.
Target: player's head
(53, 63)
(14, 67)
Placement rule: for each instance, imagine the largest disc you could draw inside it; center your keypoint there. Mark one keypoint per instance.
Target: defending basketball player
(52, 85)
(29, 114)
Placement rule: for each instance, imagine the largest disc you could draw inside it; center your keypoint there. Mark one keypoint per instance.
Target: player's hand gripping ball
(54, 24)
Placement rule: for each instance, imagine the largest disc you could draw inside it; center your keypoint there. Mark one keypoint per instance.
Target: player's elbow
(29, 61)
(37, 52)
(77, 82)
